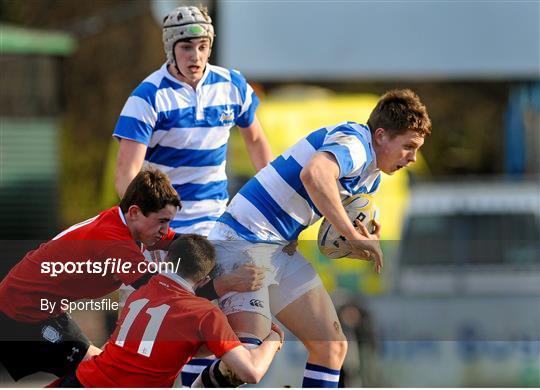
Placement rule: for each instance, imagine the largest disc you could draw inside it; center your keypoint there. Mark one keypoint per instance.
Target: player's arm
(241, 365)
(247, 277)
(128, 163)
(257, 145)
(250, 365)
(319, 177)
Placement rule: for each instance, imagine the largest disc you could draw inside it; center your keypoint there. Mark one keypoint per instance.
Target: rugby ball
(362, 207)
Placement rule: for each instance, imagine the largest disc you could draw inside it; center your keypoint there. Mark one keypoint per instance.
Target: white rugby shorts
(287, 277)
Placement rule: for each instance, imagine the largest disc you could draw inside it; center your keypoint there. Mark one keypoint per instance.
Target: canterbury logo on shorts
(256, 302)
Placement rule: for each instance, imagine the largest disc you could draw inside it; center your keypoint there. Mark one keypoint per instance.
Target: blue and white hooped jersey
(186, 132)
(275, 206)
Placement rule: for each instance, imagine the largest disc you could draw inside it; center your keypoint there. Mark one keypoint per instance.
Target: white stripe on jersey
(156, 77)
(192, 209)
(140, 109)
(223, 72)
(247, 103)
(75, 227)
(220, 96)
(167, 99)
(191, 137)
(202, 228)
(286, 196)
(302, 152)
(249, 216)
(195, 175)
(355, 147)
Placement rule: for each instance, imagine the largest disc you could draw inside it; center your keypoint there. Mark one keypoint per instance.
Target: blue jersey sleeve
(138, 118)
(375, 185)
(350, 150)
(249, 100)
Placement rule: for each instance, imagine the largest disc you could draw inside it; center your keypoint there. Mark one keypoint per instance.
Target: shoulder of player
(110, 235)
(150, 84)
(149, 88)
(156, 78)
(349, 128)
(351, 131)
(92, 228)
(227, 73)
(111, 224)
(177, 290)
(188, 306)
(234, 76)
(210, 316)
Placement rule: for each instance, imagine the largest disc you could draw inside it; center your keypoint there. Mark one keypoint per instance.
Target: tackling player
(164, 324)
(309, 181)
(33, 339)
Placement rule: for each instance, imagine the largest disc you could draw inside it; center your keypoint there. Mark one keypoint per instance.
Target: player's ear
(379, 136)
(134, 211)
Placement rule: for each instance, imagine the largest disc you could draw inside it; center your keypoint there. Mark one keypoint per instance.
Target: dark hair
(196, 255)
(398, 111)
(151, 190)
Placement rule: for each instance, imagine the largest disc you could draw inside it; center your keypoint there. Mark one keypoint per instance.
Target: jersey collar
(123, 219)
(186, 85)
(372, 168)
(122, 216)
(179, 280)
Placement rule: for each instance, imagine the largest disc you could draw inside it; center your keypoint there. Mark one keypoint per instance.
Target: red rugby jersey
(160, 329)
(88, 245)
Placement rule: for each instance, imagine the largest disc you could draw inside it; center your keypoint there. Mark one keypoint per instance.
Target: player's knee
(330, 353)
(338, 351)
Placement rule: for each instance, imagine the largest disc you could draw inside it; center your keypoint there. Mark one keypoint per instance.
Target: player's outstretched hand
(367, 246)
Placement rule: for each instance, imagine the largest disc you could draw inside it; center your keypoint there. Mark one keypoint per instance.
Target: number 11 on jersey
(157, 314)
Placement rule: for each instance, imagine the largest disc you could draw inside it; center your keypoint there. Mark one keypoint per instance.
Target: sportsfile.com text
(110, 265)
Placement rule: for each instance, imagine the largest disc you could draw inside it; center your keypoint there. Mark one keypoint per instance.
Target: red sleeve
(216, 333)
(165, 241)
(169, 236)
(131, 255)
